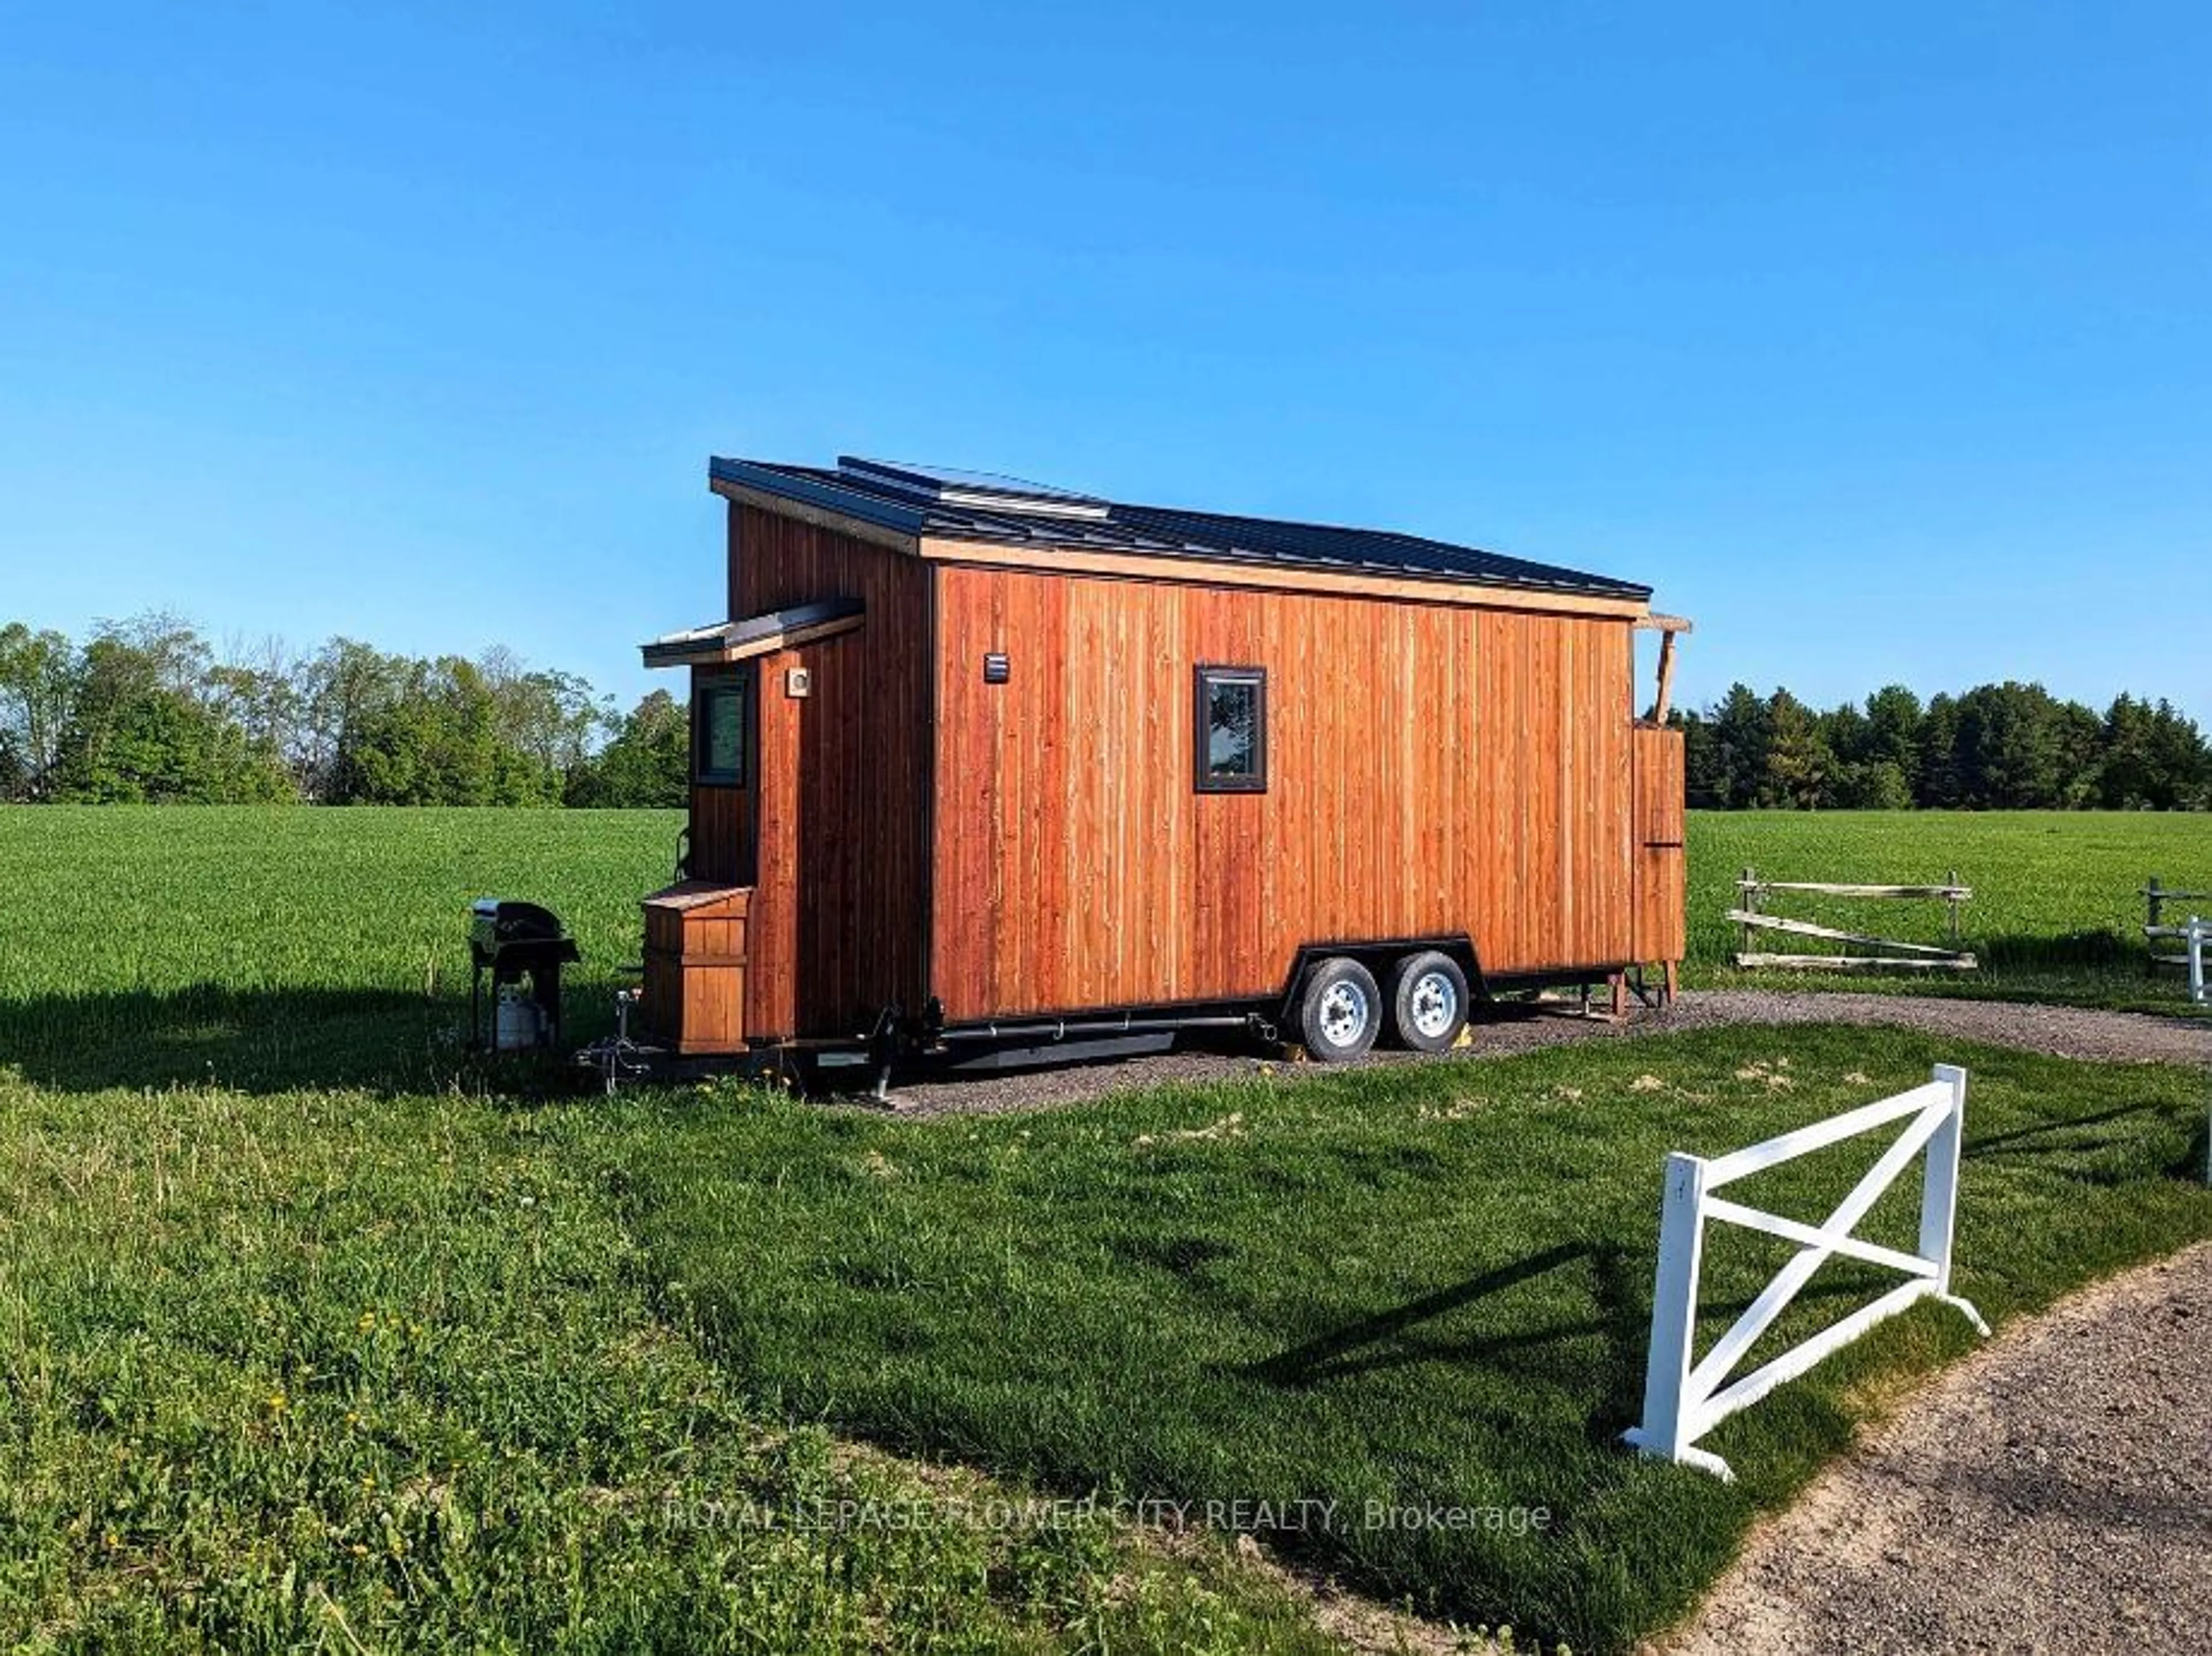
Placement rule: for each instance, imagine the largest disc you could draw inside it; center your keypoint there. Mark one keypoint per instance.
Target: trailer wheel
(1428, 1001)
(1341, 1011)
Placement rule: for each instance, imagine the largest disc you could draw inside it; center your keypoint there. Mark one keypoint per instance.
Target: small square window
(719, 738)
(1232, 735)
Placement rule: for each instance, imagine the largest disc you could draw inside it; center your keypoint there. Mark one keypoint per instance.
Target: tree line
(148, 711)
(1996, 747)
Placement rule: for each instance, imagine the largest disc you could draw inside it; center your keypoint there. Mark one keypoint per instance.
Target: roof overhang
(847, 511)
(726, 643)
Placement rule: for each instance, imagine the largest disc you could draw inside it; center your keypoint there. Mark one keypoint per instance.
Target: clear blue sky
(1877, 338)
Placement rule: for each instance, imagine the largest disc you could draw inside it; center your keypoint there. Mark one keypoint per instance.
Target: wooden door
(1662, 864)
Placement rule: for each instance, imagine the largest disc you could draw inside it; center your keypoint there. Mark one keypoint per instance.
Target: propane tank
(518, 1023)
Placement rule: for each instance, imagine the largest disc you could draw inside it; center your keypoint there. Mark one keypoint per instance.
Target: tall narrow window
(1231, 737)
(719, 731)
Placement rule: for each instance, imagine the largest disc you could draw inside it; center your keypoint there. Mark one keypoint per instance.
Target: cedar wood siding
(1661, 873)
(721, 816)
(721, 821)
(1432, 768)
(837, 928)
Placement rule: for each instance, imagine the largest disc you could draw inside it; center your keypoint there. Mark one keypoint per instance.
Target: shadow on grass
(2050, 1138)
(273, 1040)
(2102, 948)
(1388, 1339)
(1354, 1348)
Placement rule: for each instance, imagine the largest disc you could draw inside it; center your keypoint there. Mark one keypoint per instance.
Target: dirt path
(2063, 1031)
(2053, 1492)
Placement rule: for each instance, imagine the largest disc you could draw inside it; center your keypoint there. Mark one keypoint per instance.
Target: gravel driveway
(2052, 1492)
(2063, 1032)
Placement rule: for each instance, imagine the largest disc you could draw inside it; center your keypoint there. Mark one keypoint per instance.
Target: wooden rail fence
(2155, 896)
(1751, 916)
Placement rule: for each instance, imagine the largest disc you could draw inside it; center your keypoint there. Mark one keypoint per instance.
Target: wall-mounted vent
(979, 490)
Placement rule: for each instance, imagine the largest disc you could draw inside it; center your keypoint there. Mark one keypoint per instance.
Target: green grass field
(312, 1339)
(316, 1333)
(260, 947)
(1424, 1287)
(2055, 914)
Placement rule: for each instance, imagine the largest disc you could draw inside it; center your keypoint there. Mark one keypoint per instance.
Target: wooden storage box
(695, 966)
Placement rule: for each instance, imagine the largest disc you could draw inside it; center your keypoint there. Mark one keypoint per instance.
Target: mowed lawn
(1421, 1289)
(338, 1371)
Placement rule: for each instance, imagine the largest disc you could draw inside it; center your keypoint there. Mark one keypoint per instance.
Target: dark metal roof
(1160, 532)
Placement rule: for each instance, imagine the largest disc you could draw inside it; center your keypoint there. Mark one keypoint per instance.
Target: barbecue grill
(515, 942)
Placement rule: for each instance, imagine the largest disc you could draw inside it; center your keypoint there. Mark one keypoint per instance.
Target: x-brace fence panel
(1683, 1398)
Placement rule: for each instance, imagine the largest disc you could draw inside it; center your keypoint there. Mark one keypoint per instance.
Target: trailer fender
(1379, 956)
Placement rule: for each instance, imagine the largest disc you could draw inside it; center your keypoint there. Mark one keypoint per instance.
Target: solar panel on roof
(946, 505)
(951, 486)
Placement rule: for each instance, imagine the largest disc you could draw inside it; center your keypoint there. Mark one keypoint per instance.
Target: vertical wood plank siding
(836, 927)
(1661, 857)
(721, 828)
(1431, 768)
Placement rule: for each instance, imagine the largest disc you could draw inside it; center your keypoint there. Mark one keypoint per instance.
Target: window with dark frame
(1230, 751)
(718, 741)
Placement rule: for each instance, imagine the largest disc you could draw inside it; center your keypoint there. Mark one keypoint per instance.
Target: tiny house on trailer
(980, 766)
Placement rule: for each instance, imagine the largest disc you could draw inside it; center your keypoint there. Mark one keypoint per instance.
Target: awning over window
(756, 635)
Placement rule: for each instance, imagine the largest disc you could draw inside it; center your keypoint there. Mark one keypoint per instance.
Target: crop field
(317, 1333)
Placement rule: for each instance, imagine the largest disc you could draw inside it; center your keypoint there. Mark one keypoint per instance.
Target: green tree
(647, 764)
(2180, 766)
(1938, 785)
(1869, 785)
(1797, 756)
(142, 727)
(1739, 740)
(38, 678)
(2007, 750)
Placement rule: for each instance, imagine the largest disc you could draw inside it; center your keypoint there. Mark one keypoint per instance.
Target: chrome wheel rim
(1344, 1012)
(1436, 1004)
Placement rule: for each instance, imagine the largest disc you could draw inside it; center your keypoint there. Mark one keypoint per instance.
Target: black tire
(1428, 1001)
(1340, 1012)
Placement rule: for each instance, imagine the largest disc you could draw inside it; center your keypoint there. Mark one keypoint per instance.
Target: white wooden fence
(1683, 1398)
(2195, 941)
